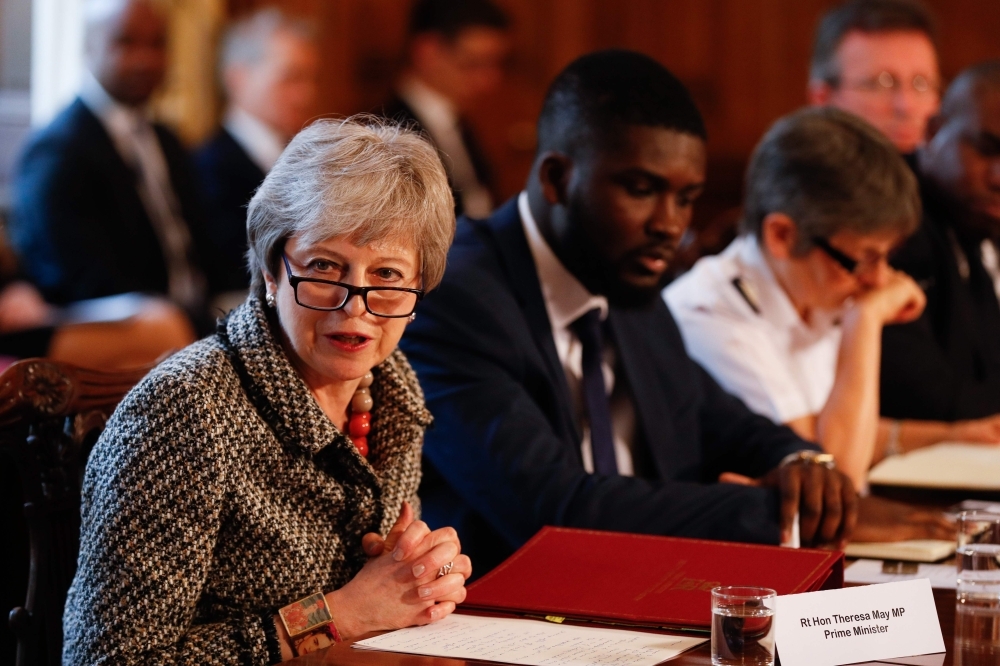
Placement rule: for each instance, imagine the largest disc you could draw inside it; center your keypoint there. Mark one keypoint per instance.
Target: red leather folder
(641, 580)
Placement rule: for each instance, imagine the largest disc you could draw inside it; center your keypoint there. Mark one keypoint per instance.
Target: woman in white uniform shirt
(789, 317)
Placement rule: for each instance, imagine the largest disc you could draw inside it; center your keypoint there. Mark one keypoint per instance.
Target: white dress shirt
(739, 324)
(259, 141)
(135, 141)
(439, 118)
(991, 262)
(566, 300)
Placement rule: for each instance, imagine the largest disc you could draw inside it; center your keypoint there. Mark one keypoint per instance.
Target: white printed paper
(855, 624)
(531, 642)
(868, 572)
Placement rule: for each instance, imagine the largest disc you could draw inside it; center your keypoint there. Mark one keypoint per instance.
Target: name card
(835, 627)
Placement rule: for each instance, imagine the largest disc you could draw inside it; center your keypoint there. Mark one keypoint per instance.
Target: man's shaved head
(621, 159)
(601, 93)
(126, 47)
(962, 156)
(969, 88)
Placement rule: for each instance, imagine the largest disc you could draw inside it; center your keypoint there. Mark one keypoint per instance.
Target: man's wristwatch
(811, 457)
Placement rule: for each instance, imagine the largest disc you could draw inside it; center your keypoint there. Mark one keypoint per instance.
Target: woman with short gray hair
(789, 318)
(254, 497)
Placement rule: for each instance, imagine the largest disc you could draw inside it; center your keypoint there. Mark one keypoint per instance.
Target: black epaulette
(747, 292)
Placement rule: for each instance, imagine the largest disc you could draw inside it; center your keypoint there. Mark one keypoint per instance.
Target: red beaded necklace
(359, 422)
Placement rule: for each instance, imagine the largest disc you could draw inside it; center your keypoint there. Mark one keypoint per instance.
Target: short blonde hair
(362, 178)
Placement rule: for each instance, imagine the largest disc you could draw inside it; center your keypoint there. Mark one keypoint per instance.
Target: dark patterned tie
(588, 330)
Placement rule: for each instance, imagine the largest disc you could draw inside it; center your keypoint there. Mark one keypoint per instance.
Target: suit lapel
(105, 151)
(516, 258)
(637, 359)
(240, 159)
(133, 219)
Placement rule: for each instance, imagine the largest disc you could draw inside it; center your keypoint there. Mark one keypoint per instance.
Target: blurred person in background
(946, 365)
(104, 200)
(790, 317)
(29, 327)
(455, 55)
(268, 66)
(873, 58)
(877, 59)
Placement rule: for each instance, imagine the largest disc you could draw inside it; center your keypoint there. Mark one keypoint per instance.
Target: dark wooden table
(344, 655)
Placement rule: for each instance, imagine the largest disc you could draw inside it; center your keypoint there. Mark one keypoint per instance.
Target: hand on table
(22, 306)
(884, 520)
(399, 585)
(824, 500)
(982, 431)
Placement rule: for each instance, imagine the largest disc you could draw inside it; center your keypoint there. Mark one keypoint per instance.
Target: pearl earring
(412, 316)
(272, 301)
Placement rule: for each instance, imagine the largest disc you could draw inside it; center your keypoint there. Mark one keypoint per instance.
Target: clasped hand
(399, 586)
(896, 301)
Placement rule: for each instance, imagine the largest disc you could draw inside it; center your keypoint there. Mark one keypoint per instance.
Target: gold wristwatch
(808, 456)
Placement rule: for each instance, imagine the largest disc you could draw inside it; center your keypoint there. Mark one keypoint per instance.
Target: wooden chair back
(50, 415)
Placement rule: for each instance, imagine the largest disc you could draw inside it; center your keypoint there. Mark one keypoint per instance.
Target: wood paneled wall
(746, 62)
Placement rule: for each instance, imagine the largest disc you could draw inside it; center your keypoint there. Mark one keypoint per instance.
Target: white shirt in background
(739, 324)
(991, 262)
(440, 119)
(566, 300)
(259, 141)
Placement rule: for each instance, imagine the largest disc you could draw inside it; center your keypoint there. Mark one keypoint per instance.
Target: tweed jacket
(220, 491)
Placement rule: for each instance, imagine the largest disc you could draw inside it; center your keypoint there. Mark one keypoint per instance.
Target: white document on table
(869, 572)
(952, 465)
(531, 642)
(913, 550)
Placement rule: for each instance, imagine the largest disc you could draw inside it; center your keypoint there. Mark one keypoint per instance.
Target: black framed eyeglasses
(327, 295)
(847, 262)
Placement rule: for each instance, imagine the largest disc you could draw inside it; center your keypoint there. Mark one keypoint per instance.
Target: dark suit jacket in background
(503, 458)
(228, 178)
(78, 224)
(945, 366)
(398, 110)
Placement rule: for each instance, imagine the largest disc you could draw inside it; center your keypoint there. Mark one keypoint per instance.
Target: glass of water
(743, 626)
(977, 610)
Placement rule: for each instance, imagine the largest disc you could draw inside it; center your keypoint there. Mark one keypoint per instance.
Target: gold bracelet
(309, 624)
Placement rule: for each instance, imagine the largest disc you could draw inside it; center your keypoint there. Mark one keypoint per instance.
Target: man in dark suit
(455, 55)
(946, 365)
(104, 201)
(560, 387)
(269, 64)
